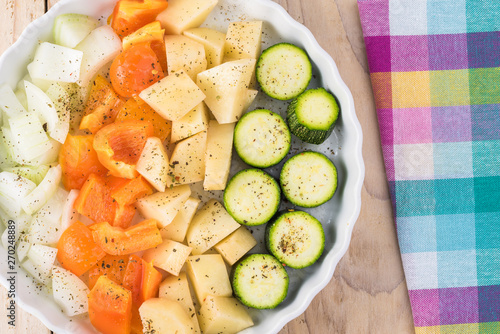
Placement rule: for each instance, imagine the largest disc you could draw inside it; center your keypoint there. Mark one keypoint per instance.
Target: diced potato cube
(223, 315)
(185, 55)
(173, 96)
(250, 97)
(213, 41)
(177, 229)
(208, 275)
(163, 206)
(177, 288)
(237, 244)
(188, 159)
(153, 164)
(226, 89)
(169, 256)
(181, 15)
(218, 155)
(210, 225)
(193, 122)
(243, 40)
(162, 315)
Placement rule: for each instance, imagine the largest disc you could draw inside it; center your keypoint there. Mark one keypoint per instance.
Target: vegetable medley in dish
(102, 140)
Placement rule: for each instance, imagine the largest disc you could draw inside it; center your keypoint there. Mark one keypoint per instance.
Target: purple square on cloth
(409, 53)
(378, 49)
(376, 16)
(458, 305)
(425, 307)
(489, 300)
(412, 126)
(451, 124)
(385, 120)
(448, 52)
(483, 49)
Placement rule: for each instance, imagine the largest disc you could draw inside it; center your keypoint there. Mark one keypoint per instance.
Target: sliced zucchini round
(260, 281)
(312, 115)
(283, 71)
(262, 138)
(252, 197)
(296, 239)
(308, 179)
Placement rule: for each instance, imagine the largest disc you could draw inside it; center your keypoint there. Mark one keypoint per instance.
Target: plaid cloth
(435, 71)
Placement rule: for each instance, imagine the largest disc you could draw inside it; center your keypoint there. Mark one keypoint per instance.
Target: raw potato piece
(226, 88)
(208, 275)
(185, 55)
(193, 122)
(162, 315)
(181, 15)
(210, 225)
(153, 164)
(222, 315)
(177, 289)
(237, 244)
(169, 256)
(177, 229)
(188, 159)
(243, 40)
(218, 155)
(173, 96)
(213, 41)
(69, 292)
(163, 206)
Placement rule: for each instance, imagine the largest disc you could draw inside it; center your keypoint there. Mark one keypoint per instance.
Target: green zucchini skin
(295, 238)
(308, 179)
(259, 281)
(252, 197)
(307, 109)
(283, 71)
(262, 138)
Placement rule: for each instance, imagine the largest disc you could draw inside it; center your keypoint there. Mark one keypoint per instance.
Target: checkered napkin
(435, 71)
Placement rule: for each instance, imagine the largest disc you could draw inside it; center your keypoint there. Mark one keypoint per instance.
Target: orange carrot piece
(117, 241)
(76, 249)
(110, 307)
(78, 160)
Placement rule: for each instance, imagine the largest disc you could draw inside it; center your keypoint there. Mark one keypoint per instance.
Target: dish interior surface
(343, 147)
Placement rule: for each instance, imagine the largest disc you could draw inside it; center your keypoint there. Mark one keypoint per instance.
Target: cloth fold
(435, 71)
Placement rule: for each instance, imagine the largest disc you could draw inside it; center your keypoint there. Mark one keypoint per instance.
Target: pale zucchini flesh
(308, 179)
(262, 138)
(312, 115)
(260, 281)
(283, 71)
(296, 239)
(252, 197)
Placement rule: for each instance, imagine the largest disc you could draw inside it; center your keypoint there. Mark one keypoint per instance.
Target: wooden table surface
(368, 292)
